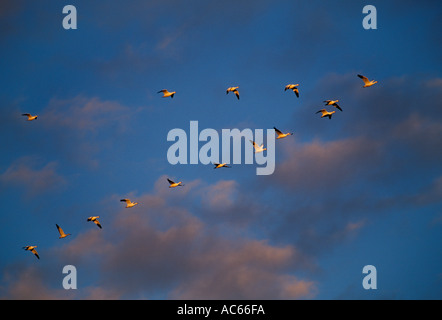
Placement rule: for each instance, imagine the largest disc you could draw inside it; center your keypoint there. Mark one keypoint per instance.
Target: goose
(258, 148)
(30, 117)
(95, 220)
(167, 93)
(282, 135)
(326, 113)
(62, 234)
(234, 90)
(32, 249)
(367, 83)
(173, 184)
(220, 165)
(293, 87)
(129, 204)
(333, 103)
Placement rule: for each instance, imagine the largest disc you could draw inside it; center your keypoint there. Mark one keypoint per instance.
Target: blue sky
(362, 188)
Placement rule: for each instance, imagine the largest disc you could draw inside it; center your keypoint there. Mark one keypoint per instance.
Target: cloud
(85, 114)
(24, 174)
(319, 166)
(422, 136)
(221, 195)
(250, 270)
(83, 127)
(163, 247)
(429, 194)
(30, 284)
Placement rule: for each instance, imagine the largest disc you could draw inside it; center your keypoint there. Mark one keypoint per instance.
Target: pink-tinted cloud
(82, 127)
(220, 195)
(163, 246)
(25, 173)
(319, 166)
(85, 114)
(249, 270)
(30, 284)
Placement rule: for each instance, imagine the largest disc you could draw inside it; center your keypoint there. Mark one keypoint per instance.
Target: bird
(173, 184)
(258, 148)
(293, 87)
(95, 220)
(326, 113)
(129, 204)
(167, 93)
(282, 135)
(30, 117)
(367, 83)
(62, 234)
(333, 103)
(32, 249)
(234, 90)
(220, 165)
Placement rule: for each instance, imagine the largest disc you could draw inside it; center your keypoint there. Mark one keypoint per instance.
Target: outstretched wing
(365, 79)
(170, 181)
(277, 131)
(337, 106)
(255, 145)
(35, 252)
(60, 230)
(98, 223)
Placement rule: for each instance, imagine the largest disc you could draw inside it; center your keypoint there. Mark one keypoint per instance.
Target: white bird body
(173, 184)
(333, 103)
(167, 93)
(62, 234)
(220, 165)
(258, 148)
(30, 117)
(32, 249)
(293, 87)
(367, 82)
(281, 134)
(234, 90)
(326, 113)
(95, 220)
(129, 204)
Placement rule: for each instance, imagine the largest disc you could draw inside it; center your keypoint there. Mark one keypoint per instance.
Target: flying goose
(95, 220)
(129, 204)
(326, 113)
(30, 117)
(167, 93)
(293, 87)
(367, 83)
(234, 90)
(333, 103)
(62, 234)
(173, 184)
(282, 135)
(258, 148)
(220, 165)
(32, 249)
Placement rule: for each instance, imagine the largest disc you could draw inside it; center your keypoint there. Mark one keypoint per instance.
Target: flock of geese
(258, 148)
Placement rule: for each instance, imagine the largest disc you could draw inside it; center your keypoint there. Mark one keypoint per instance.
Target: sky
(363, 188)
